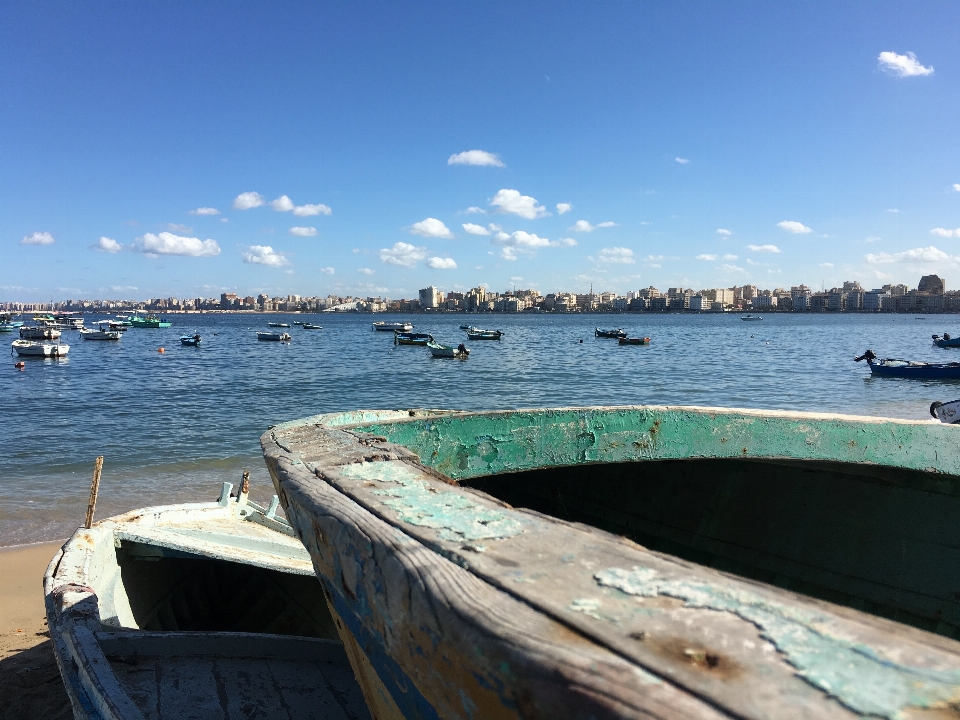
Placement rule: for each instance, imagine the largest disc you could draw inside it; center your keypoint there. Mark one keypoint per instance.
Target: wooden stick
(94, 488)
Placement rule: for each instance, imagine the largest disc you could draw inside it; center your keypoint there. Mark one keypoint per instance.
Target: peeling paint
(854, 674)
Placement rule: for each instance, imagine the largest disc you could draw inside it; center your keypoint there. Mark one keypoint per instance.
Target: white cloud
(38, 238)
(475, 157)
(732, 268)
(123, 288)
(724, 232)
(619, 255)
(944, 232)
(107, 245)
(764, 248)
(564, 208)
(248, 200)
(431, 227)
(205, 211)
(474, 210)
(264, 255)
(902, 65)
(439, 263)
(303, 231)
(403, 255)
(169, 244)
(308, 210)
(224, 219)
(872, 238)
(893, 210)
(655, 257)
(920, 255)
(327, 270)
(707, 256)
(826, 265)
(956, 187)
(511, 201)
(584, 226)
(520, 239)
(508, 253)
(565, 242)
(682, 161)
(174, 227)
(792, 226)
(365, 271)
(282, 204)
(728, 256)
(475, 229)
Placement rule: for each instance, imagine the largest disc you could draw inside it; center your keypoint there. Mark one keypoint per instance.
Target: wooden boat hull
(39, 333)
(635, 341)
(949, 371)
(190, 341)
(946, 342)
(412, 338)
(383, 326)
(485, 335)
(28, 348)
(273, 337)
(438, 350)
(614, 334)
(449, 595)
(100, 334)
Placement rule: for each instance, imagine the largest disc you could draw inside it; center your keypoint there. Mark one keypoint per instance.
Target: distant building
(430, 298)
(765, 301)
(875, 301)
(931, 284)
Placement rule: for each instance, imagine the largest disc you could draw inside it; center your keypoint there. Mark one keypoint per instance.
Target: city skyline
(213, 149)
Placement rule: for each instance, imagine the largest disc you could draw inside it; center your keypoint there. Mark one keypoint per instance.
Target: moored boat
(102, 334)
(38, 348)
(634, 341)
(384, 326)
(150, 321)
(473, 529)
(278, 324)
(28, 332)
(751, 317)
(946, 341)
(439, 350)
(311, 326)
(478, 334)
(614, 333)
(273, 336)
(196, 610)
(895, 367)
(405, 338)
(191, 340)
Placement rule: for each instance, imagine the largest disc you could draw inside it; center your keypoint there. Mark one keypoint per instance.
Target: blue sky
(821, 138)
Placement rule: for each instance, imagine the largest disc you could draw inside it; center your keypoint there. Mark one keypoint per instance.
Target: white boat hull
(100, 334)
(26, 348)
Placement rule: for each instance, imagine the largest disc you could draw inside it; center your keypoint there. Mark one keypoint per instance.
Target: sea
(173, 426)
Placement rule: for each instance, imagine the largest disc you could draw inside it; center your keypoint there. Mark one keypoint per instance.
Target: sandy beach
(30, 684)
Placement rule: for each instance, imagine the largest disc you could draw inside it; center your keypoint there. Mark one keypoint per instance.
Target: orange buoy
(20, 365)
(161, 351)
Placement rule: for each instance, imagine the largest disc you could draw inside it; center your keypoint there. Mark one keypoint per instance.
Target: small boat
(403, 338)
(624, 562)
(311, 326)
(894, 367)
(191, 340)
(8, 327)
(124, 320)
(751, 317)
(117, 325)
(150, 321)
(634, 341)
(278, 324)
(466, 327)
(616, 333)
(439, 350)
(31, 348)
(102, 334)
(28, 332)
(478, 334)
(197, 610)
(298, 322)
(273, 336)
(946, 341)
(384, 326)
(8, 324)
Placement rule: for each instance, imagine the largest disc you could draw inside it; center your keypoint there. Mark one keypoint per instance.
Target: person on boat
(462, 349)
(869, 356)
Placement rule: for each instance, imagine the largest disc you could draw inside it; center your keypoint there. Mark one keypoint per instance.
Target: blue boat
(946, 341)
(190, 340)
(408, 338)
(617, 333)
(894, 367)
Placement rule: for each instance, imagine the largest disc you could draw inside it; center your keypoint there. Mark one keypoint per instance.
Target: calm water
(173, 426)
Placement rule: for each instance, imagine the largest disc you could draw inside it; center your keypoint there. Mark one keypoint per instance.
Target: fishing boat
(623, 562)
(197, 610)
(274, 336)
(946, 341)
(125, 320)
(102, 334)
(467, 327)
(117, 325)
(33, 348)
(439, 350)
(28, 332)
(384, 326)
(311, 326)
(894, 367)
(751, 317)
(150, 321)
(8, 327)
(191, 340)
(616, 333)
(7, 323)
(405, 338)
(477, 334)
(634, 341)
(298, 322)
(278, 324)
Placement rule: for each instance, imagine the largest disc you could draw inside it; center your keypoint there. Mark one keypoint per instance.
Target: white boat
(448, 351)
(32, 348)
(197, 610)
(385, 326)
(751, 317)
(278, 324)
(39, 333)
(101, 334)
(272, 336)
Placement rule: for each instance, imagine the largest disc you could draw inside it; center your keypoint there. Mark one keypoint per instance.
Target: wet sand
(30, 684)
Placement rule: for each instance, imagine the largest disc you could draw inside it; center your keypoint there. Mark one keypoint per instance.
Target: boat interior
(878, 539)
